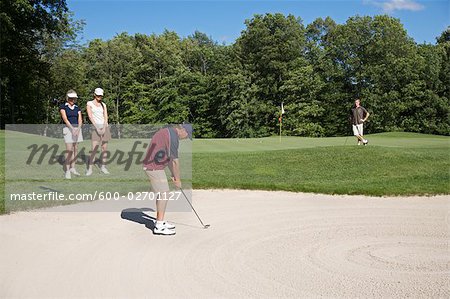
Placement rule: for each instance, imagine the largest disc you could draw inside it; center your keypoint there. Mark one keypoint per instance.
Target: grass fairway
(30, 174)
(393, 164)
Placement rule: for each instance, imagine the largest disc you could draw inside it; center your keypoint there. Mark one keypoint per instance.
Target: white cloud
(393, 5)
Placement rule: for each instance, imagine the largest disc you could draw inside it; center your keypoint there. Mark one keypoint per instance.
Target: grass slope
(333, 170)
(394, 163)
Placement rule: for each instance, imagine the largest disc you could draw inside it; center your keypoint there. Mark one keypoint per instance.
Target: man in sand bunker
(163, 152)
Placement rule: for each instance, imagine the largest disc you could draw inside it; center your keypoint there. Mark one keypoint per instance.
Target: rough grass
(333, 170)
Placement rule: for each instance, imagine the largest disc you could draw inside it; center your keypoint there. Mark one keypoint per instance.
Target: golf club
(359, 132)
(204, 226)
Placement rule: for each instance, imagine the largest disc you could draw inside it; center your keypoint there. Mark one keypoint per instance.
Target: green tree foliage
(315, 35)
(444, 72)
(334, 97)
(68, 71)
(377, 61)
(302, 93)
(233, 90)
(32, 34)
(110, 66)
(267, 50)
(153, 92)
(239, 108)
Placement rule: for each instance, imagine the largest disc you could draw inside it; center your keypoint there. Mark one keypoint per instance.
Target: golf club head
(206, 226)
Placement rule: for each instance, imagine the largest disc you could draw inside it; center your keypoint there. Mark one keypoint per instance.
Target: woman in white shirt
(98, 115)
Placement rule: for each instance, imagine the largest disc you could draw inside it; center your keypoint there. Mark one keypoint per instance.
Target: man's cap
(98, 91)
(72, 94)
(188, 128)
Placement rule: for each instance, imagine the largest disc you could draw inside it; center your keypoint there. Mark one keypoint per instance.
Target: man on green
(358, 116)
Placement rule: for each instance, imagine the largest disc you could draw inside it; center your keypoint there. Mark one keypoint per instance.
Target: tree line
(316, 70)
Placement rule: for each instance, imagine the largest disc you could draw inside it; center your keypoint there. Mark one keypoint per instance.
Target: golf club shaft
(187, 199)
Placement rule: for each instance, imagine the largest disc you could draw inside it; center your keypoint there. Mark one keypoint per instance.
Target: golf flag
(281, 114)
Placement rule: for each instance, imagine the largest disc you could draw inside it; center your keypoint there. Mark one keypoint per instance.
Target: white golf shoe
(89, 172)
(67, 175)
(163, 230)
(365, 142)
(74, 171)
(104, 170)
(167, 225)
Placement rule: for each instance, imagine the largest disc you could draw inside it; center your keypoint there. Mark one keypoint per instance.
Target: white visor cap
(72, 95)
(98, 91)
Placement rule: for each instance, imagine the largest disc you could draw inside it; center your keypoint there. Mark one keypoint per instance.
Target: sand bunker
(260, 244)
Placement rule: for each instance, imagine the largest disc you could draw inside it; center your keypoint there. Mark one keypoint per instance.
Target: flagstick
(281, 121)
(281, 118)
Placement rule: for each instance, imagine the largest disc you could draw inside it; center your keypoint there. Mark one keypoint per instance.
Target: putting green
(394, 139)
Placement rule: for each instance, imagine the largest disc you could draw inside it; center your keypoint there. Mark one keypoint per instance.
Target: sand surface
(260, 244)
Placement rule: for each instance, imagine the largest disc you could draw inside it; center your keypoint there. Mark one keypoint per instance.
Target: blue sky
(224, 20)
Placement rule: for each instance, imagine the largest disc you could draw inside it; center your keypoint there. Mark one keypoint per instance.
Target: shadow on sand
(138, 216)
